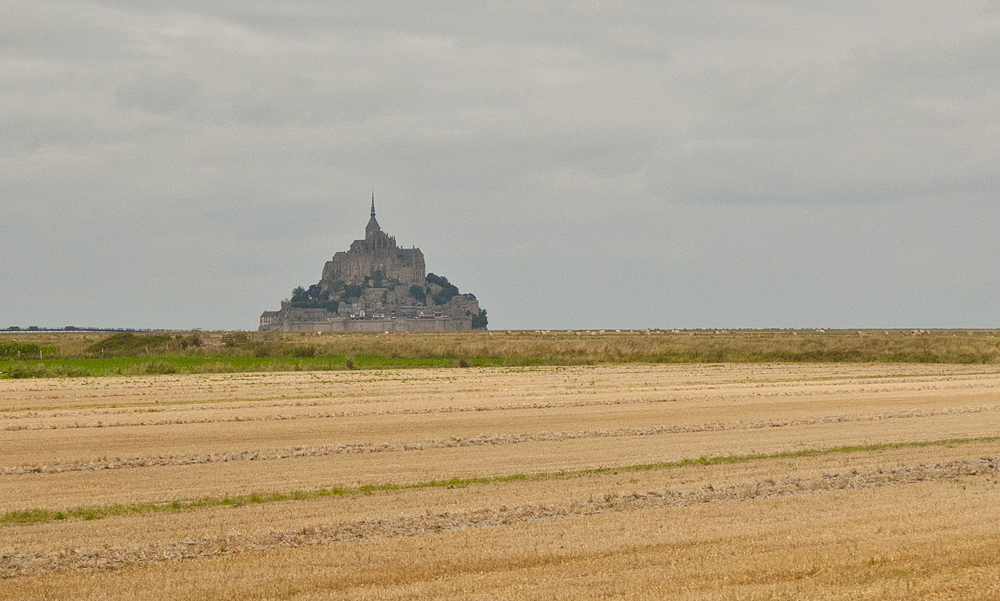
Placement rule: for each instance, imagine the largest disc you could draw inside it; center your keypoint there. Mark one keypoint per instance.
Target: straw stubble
(688, 481)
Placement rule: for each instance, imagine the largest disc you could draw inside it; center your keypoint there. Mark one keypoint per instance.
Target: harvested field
(736, 481)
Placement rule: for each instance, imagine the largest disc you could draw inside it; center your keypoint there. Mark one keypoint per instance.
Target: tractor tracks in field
(13, 426)
(105, 558)
(105, 463)
(152, 415)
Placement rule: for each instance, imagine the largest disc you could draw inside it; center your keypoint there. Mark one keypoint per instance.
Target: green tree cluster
(353, 291)
(417, 293)
(314, 298)
(447, 291)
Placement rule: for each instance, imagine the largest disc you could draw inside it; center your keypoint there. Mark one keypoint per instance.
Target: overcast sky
(590, 164)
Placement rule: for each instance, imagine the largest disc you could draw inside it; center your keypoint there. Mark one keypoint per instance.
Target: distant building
(376, 286)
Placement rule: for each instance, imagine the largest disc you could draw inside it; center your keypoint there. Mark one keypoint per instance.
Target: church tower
(372, 230)
(372, 223)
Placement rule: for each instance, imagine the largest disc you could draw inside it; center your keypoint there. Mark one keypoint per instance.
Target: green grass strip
(96, 367)
(37, 516)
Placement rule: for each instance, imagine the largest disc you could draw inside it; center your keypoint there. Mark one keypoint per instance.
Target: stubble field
(700, 481)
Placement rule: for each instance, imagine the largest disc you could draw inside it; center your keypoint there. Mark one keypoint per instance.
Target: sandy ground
(96, 443)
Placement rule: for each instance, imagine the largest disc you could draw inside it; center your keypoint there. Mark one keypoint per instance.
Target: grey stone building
(376, 286)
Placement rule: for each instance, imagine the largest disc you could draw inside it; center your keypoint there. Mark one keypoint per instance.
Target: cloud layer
(575, 164)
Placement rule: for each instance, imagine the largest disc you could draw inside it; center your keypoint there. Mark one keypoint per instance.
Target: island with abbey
(376, 286)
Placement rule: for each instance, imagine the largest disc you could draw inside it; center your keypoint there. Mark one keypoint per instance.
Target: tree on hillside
(447, 290)
(417, 293)
(437, 280)
(353, 291)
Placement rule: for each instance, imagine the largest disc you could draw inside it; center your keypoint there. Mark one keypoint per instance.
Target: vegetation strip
(34, 516)
(97, 559)
(129, 354)
(473, 441)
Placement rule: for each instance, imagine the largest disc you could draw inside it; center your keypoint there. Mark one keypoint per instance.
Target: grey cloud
(62, 33)
(156, 92)
(700, 164)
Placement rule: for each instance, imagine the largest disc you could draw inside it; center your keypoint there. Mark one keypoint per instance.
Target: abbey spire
(372, 223)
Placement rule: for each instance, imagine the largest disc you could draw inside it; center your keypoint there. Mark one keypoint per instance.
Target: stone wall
(439, 324)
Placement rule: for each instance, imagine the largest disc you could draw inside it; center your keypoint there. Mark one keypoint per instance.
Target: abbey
(376, 286)
(376, 253)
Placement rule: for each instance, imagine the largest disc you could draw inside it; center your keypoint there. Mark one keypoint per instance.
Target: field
(90, 354)
(689, 481)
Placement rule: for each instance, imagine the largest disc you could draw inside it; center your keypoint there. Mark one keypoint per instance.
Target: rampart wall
(438, 324)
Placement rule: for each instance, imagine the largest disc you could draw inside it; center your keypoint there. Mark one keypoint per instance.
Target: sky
(592, 164)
